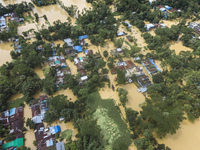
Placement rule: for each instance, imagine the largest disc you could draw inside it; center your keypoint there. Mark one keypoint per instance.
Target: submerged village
(95, 75)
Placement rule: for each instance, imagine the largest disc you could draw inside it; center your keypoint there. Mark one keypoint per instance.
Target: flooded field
(29, 135)
(187, 137)
(178, 47)
(5, 49)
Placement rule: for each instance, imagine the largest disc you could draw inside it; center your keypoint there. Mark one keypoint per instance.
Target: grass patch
(108, 116)
(29, 19)
(16, 103)
(66, 134)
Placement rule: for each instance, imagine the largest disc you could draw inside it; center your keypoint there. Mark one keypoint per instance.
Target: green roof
(57, 62)
(16, 143)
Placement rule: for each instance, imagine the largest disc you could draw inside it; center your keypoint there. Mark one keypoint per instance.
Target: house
(193, 25)
(167, 7)
(88, 52)
(78, 48)
(138, 71)
(1, 142)
(45, 138)
(69, 42)
(116, 52)
(121, 33)
(84, 78)
(71, 52)
(40, 48)
(80, 66)
(52, 45)
(144, 81)
(151, 1)
(61, 75)
(162, 9)
(16, 113)
(16, 126)
(14, 144)
(5, 118)
(15, 18)
(60, 146)
(151, 67)
(129, 25)
(173, 9)
(10, 116)
(79, 60)
(83, 37)
(17, 46)
(82, 72)
(133, 13)
(149, 26)
(82, 42)
(39, 109)
(2, 22)
(57, 61)
(124, 65)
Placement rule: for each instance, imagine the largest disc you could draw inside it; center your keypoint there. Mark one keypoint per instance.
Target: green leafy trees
(30, 123)
(163, 120)
(23, 148)
(105, 53)
(121, 79)
(123, 96)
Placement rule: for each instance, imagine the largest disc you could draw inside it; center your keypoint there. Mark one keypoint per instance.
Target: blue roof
(78, 48)
(57, 129)
(154, 64)
(12, 111)
(168, 7)
(83, 37)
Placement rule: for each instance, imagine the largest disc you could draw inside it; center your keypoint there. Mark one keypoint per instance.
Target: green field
(108, 117)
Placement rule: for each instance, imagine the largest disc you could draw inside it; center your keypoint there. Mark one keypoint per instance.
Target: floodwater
(187, 137)
(15, 96)
(80, 3)
(64, 126)
(178, 47)
(39, 72)
(5, 49)
(29, 135)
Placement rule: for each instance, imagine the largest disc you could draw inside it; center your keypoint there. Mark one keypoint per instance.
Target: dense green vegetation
(43, 2)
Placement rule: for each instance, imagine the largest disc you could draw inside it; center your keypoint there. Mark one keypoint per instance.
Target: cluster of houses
(150, 66)
(131, 69)
(77, 48)
(17, 46)
(60, 76)
(45, 136)
(116, 52)
(13, 119)
(151, 26)
(57, 61)
(166, 9)
(9, 17)
(195, 26)
(80, 64)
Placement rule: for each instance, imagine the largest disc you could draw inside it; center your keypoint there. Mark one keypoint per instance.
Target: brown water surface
(5, 49)
(178, 47)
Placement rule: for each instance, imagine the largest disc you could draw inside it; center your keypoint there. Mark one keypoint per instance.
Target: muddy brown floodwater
(178, 47)
(186, 137)
(5, 49)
